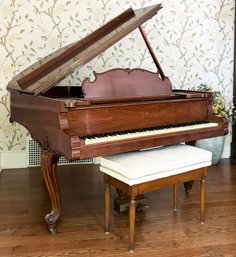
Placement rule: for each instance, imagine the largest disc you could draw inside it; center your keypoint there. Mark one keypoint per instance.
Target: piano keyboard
(137, 133)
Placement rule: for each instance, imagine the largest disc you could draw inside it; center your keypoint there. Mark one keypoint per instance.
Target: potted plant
(222, 107)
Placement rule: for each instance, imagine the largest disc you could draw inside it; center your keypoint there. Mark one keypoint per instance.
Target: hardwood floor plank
(159, 231)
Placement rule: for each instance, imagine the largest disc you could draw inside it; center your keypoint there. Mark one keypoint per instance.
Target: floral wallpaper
(193, 41)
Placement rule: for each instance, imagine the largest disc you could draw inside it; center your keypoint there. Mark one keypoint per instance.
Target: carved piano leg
(49, 170)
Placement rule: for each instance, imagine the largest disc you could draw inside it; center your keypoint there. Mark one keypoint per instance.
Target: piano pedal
(121, 205)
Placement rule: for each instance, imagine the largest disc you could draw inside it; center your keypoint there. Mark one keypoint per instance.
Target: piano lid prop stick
(152, 53)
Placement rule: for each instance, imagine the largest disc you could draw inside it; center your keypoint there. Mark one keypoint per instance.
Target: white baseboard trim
(11, 160)
(15, 160)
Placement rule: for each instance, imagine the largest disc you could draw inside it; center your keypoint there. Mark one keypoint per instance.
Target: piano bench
(139, 172)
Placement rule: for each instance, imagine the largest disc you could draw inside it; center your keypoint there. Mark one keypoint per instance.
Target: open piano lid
(50, 70)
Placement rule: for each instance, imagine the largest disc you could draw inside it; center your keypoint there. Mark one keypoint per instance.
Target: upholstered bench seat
(139, 172)
(146, 165)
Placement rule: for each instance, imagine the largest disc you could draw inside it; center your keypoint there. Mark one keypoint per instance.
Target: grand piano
(121, 110)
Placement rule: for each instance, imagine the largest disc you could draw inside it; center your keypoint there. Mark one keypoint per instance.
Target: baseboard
(15, 160)
(12, 160)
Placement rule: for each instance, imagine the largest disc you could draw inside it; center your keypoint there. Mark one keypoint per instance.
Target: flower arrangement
(221, 105)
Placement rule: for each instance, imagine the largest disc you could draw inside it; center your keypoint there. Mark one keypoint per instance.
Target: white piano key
(130, 135)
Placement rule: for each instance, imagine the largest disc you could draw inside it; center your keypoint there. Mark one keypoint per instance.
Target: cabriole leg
(49, 170)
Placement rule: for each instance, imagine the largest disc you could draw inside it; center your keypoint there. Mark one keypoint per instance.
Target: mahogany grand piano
(121, 110)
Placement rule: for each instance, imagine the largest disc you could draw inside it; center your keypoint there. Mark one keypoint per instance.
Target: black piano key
(140, 130)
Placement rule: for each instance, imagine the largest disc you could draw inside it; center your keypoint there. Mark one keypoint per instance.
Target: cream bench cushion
(141, 166)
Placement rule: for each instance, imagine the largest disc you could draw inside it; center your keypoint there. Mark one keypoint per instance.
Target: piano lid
(52, 69)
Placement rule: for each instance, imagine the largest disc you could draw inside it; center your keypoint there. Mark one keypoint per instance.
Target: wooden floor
(159, 232)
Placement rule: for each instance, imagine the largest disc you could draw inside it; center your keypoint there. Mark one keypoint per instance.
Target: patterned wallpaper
(193, 41)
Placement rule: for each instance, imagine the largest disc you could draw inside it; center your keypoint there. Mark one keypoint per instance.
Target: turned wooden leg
(107, 207)
(49, 170)
(132, 211)
(175, 197)
(202, 199)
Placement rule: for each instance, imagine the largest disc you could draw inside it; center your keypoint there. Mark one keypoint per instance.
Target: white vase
(214, 145)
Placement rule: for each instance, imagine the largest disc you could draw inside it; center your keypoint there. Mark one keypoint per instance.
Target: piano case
(121, 110)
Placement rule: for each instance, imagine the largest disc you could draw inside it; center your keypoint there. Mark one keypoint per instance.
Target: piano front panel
(99, 119)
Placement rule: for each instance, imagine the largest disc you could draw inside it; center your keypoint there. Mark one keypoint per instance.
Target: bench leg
(132, 211)
(107, 207)
(202, 199)
(175, 197)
